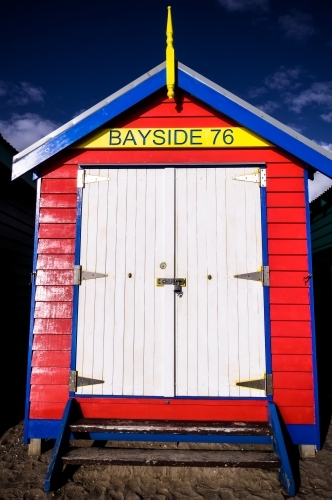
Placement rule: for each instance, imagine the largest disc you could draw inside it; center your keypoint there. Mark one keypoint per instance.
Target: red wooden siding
(54, 292)
(288, 259)
(291, 342)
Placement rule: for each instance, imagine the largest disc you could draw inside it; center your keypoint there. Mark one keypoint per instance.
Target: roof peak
(199, 87)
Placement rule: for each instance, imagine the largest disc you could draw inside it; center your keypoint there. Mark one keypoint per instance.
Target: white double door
(144, 340)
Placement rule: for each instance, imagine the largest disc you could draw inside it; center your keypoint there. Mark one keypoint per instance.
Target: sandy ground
(21, 477)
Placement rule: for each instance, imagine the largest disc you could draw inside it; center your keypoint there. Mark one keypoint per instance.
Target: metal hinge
(84, 178)
(171, 281)
(76, 381)
(263, 384)
(263, 276)
(258, 176)
(80, 275)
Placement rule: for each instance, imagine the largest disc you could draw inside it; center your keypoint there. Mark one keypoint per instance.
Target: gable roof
(198, 86)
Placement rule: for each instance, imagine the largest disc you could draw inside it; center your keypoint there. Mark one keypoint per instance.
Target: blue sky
(59, 58)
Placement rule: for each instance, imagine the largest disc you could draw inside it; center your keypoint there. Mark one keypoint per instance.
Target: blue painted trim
(32, 314)
(62, 441)
(43, 429)
(266, 289)
(48, 429)
(286, 474)
(76, 287)
(245, 117)
(302, 434)
(312, 313)
(92, 122)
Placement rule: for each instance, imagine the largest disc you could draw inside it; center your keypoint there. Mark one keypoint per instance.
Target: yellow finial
(170, 57)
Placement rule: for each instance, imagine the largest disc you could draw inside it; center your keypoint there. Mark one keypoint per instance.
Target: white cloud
(327, 117)
(23, 130)
(256, 92)
(243, 5)
(319, 94)
(297, 25)
(24, 93)
(269, 106)
(326, 145)
(283, 78)
(296, 127)
(79, 112)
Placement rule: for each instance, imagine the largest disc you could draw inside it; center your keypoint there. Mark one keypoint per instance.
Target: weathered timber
(172, 427)
(174, 458)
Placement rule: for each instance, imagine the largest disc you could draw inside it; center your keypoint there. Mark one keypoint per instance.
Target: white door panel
(141, 339)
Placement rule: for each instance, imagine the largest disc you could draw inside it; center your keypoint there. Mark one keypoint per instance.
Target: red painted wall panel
(296, 328)
(51, 359)
(280, 185)
(290, 325)
(59, 186)
(287, 278)
(286, 231)
(57, 215)
(45, 342)
(298, 415)
(57, 231)
(54, 293)
(289, 295)
(292, 363)
(51, 261)
(53, 310)
(293, 397)
(292, 345)
(58, 200)
(285, 215)
(291, 312)
(289, 263)
(156, 409)
(52, 326)
(176, 156)
(55, 277)
(60, 171)
(58, 394)
(49, 376)
(288, 247)
(293, 380)
(56, 246)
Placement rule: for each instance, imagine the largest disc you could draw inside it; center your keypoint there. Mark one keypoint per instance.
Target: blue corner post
(61, 443)
(286, 473)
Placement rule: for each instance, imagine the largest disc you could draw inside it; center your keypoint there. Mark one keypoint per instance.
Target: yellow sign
(134, 138)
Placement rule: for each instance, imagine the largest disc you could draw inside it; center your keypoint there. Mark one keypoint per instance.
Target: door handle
(178, 283)
(171, 281)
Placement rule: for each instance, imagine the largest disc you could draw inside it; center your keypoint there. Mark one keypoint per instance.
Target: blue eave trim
(90, 123)
(312, 314)
(201, 88)
(257, 124)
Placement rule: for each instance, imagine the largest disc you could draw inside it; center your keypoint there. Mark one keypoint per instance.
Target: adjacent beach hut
(17, 217)
(172, 267)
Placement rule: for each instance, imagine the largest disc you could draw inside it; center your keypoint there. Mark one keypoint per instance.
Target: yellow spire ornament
(170, 57)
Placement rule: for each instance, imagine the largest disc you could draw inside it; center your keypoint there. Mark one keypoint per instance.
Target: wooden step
(171, 427)
(175, 458)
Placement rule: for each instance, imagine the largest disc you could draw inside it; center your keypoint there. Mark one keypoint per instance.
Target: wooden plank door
(219, 321)
(120, 333)
(142, 339)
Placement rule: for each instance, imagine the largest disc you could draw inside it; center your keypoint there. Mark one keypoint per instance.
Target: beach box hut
(172, 268)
